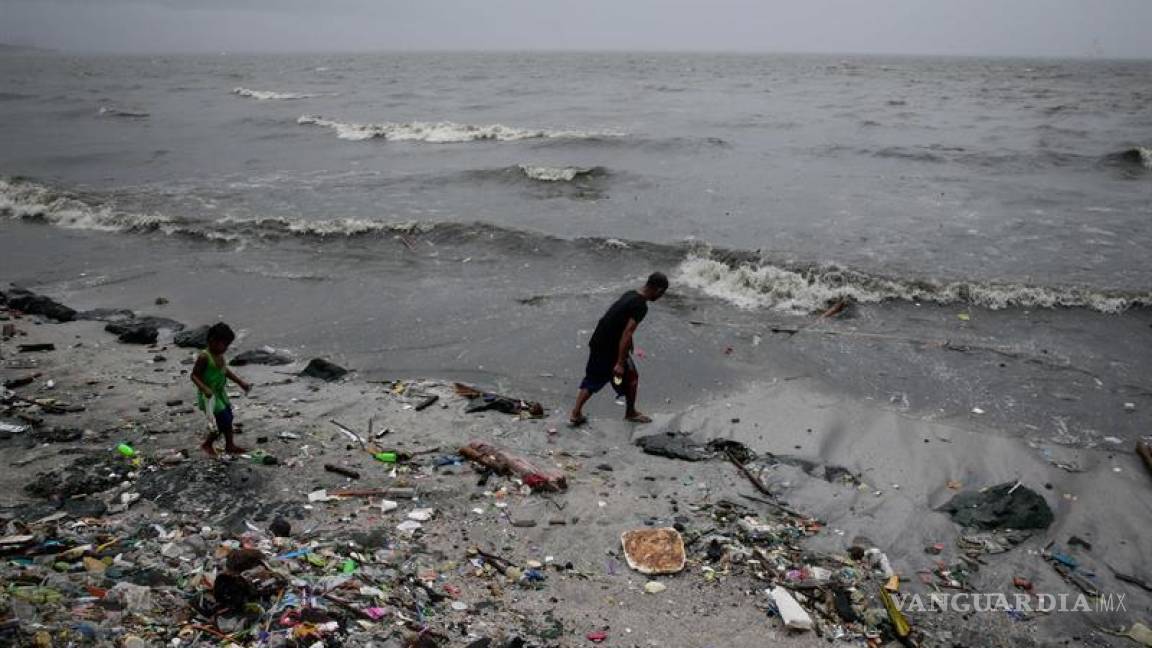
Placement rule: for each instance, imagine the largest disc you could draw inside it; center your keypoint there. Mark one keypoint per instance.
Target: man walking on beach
(610, 350)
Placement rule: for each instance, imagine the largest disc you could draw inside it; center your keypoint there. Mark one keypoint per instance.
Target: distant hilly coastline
(6, 48)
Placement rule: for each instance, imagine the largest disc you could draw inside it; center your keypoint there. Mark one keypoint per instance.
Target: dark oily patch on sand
(231, 490)
(86, 475)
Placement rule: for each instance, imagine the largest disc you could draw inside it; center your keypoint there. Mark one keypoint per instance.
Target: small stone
(176, 402)
(654, 587)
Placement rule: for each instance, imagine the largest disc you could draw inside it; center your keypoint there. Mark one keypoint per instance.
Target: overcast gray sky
(1113, 28)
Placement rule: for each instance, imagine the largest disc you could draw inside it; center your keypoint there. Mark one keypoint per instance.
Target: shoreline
(797, 428)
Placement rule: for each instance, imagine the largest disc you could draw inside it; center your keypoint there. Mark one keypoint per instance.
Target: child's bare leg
(224, 424)
(207, 445)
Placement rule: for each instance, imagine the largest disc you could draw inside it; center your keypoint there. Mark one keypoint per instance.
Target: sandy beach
(871, 474)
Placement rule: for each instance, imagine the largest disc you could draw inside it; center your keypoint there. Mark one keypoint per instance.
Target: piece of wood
(426, 403)
(340, 470)
(347, 431)
(366, 492)
(32, 348)
(506, 463)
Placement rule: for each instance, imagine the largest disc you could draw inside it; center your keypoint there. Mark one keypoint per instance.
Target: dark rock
(1007, 506)
(141, 330)
(195, 338)
(133, 332)
(261, 357)
(33, 304)
(324, 370)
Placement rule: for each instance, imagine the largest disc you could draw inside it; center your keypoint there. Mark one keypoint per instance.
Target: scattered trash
(485, 401)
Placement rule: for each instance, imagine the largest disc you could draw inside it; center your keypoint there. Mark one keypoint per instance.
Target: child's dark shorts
(224, 419)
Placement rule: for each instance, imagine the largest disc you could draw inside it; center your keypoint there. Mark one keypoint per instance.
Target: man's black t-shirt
(606, 338)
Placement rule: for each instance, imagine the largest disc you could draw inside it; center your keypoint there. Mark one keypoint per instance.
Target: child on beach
(211, 375)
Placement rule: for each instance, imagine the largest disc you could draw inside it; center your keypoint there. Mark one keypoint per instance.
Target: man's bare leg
(631, 387)
(577, 416)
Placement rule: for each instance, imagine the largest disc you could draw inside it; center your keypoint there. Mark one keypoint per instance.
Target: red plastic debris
(598, 636)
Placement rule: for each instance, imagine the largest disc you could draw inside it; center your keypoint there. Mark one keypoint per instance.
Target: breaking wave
(439, 132)
(757, 284)
(558, 174)
(740, 278)
(33, 202)
(267, 95)
(1136, 157)
(112, 111)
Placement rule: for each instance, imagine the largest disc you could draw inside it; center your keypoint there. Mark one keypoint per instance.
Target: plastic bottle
(126, 450)
(385, 457)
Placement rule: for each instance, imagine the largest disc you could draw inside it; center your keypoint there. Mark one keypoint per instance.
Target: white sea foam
(439, 132)
(1145, 156)
(112, 111)
(30, 201)
(764, 285)
(267, 95)
(553, 174)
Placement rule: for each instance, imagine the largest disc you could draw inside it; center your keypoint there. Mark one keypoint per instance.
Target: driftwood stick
(346, 430)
